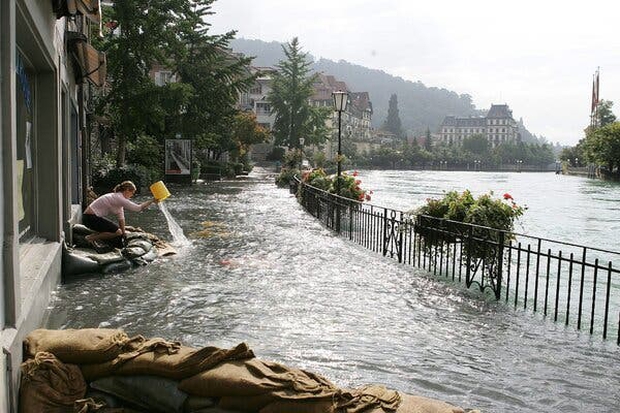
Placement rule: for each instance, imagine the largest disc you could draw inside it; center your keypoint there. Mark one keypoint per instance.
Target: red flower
(355, 173)
(507, 196)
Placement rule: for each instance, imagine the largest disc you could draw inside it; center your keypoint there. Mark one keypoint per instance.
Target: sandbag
(254, 377)
(88, 345)
(49, 385)
(107, 258)
(418, 404)
(116, 267)
(154, 394)
(367, 398)
(300, 406)
(166, 359)
(74, 264)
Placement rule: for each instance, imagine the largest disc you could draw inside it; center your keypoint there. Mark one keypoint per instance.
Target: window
(26, 151)
(164, 77)
(263, 108)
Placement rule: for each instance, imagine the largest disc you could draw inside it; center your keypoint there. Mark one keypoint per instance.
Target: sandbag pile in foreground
(106, 371)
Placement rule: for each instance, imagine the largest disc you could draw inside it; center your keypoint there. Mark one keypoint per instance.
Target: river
(261, 270)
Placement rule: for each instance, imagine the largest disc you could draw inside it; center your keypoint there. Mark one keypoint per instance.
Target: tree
(216, 78)
(174, 34)
(428, 145)
(602, 145)
(292, 88)
(392, 122)
(142, 35)
(246, 132)
(477, 144)
(605, 115)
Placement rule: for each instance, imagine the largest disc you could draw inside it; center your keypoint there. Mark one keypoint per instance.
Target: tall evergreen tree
(292, 88)
(392, 122)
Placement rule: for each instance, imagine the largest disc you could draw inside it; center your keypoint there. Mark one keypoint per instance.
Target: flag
(595, 89)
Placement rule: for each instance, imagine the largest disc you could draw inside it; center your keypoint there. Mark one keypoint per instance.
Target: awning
(89, 8)
(91, 62)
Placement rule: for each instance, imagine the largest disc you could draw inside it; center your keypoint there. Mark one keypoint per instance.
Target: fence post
(400, 238)
(500, 266)
(385, 231)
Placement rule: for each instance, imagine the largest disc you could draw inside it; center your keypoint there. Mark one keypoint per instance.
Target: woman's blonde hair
(124, 186)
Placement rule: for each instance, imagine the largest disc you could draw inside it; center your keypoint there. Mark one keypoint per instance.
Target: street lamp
(340, 104)
(301, 154)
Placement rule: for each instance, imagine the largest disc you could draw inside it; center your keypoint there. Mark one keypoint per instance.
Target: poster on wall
(178, 156)
(27, 145)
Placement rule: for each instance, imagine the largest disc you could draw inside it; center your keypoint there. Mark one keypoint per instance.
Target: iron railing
(572, 284)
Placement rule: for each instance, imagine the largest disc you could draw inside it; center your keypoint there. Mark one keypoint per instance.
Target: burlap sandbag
(89, 345)
(368, 398)
(157, 357)
(49, 385)
(418, 404)
(254, 377)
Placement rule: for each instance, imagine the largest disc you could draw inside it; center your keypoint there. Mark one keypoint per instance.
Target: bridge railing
(572, 284)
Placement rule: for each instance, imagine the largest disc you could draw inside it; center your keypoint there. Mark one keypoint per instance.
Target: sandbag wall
(105, 370)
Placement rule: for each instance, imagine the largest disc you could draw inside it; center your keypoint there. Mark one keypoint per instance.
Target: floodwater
(261, 270)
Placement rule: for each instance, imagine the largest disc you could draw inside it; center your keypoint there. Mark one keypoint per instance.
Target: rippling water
(260, 270)
(561, 207)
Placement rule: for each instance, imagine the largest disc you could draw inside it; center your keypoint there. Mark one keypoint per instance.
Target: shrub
(284, 178)
(349, 184)
(493, 220)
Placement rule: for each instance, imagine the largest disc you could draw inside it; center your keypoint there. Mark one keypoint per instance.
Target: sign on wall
(178, 157)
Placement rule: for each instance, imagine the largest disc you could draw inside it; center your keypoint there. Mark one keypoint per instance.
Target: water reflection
(270, 275)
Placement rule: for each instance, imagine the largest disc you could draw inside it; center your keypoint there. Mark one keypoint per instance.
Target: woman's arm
(148, 203)
(132, 206)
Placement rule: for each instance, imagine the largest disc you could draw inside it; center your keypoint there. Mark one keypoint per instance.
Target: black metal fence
(572, 284)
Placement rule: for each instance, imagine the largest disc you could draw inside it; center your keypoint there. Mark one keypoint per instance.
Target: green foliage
(286, 175)
(292, 87)
(105, 180)
(348, 186)
(476, 144)
(493, 221)
(602, 146)
(147, 152)
(483, 211)
(605, 115)
(318, 179)
(174, 34)
(276, 154)
(392, 122)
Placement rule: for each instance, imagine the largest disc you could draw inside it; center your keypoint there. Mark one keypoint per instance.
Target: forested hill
(420, 107)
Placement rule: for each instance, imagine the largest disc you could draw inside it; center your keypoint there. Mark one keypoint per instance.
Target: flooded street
(259, 269)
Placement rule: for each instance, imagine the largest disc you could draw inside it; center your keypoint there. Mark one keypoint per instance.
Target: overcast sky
(537, 56)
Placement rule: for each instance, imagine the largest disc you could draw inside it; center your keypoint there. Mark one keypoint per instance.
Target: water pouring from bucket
(161, 193)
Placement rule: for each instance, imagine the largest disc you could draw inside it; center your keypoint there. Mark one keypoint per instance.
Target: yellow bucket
(159, 191)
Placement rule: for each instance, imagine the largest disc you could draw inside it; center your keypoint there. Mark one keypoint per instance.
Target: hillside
(420, 107)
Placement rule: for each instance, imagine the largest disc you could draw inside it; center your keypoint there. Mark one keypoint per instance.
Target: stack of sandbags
(106, 371)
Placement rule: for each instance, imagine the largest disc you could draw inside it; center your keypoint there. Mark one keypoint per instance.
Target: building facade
(498, 127)
(255, 100)
(355, 120)
(46, 69)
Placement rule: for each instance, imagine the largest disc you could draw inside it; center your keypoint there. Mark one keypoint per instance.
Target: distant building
(255, 100)
(356, 120)
(498, 127)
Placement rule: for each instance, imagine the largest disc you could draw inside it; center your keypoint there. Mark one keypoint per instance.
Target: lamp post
(301, 155)
(340, 104)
